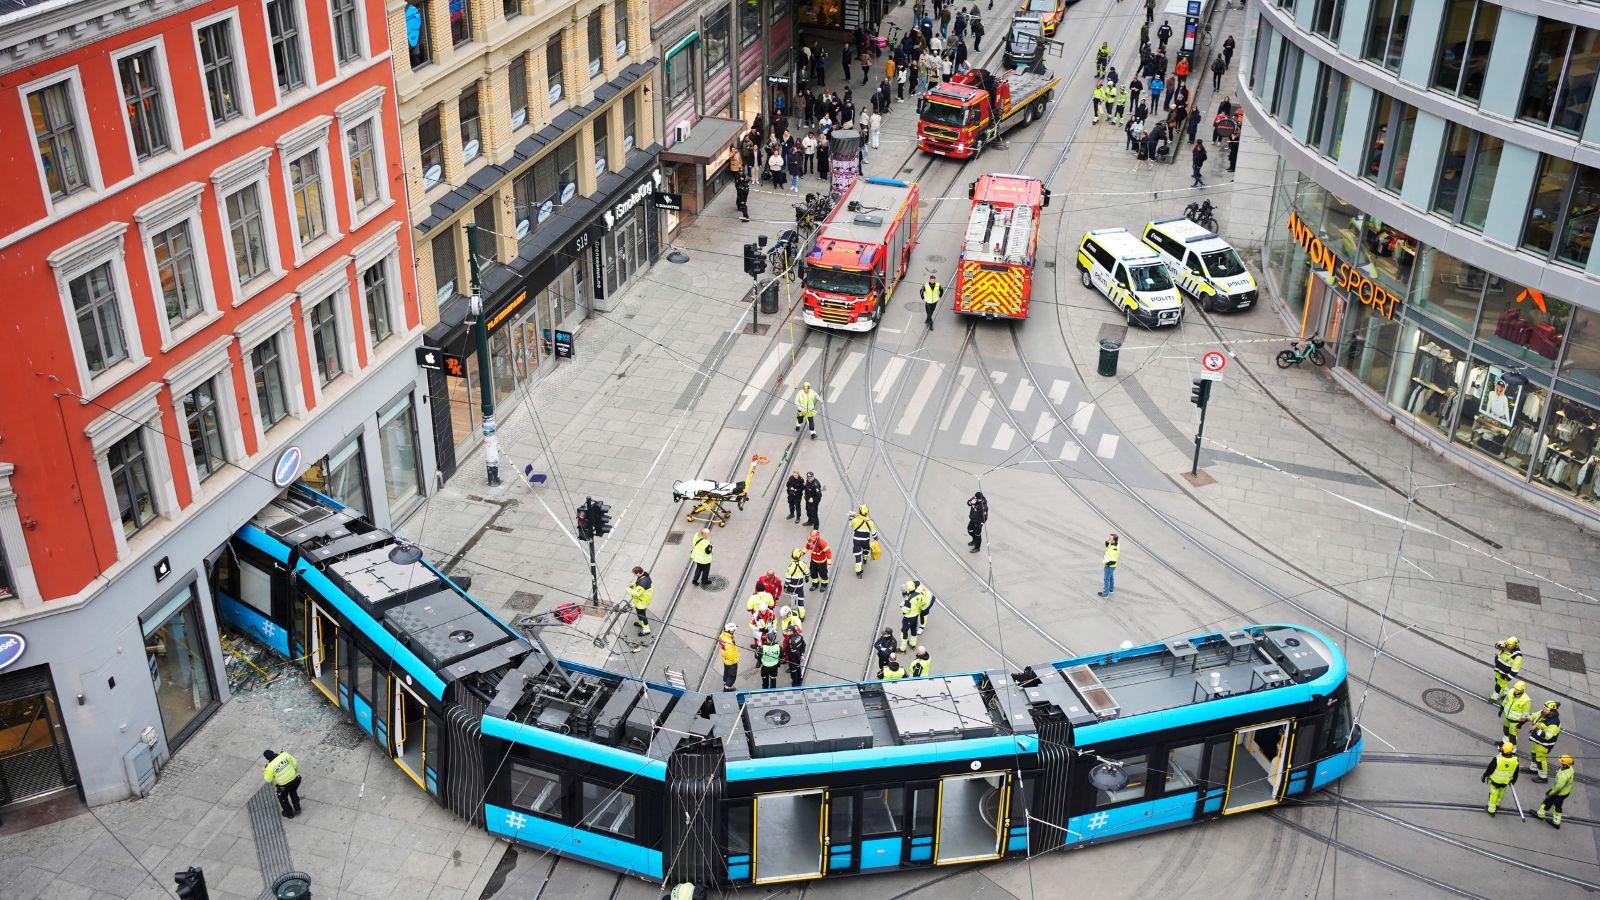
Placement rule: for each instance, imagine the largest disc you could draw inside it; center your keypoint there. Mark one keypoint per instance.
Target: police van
(1205, 266)
(1132, 276)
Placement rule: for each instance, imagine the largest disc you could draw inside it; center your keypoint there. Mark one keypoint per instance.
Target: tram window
(225, 574)
(607, 809)
(360, 671)
(1307, 735)
(1183, 767)
(739, 817)
(255, 587)
(1339, 721)
(881, 809)
(924, 809)
(1221, 750)
(841, 819)
(1022, 799)
(1138, 769)
(431, 757)
(536, 790)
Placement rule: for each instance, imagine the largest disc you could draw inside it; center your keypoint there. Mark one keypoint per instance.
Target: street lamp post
(491, 448)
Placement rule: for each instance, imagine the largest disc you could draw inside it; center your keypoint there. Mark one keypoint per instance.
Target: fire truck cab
(994, 277)
(860, 255)
(965, 114)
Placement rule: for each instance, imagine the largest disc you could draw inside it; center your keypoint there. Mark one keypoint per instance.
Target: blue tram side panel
(787, 785)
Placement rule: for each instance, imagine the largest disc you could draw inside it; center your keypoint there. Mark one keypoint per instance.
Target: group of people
(1544, 727)
(1156, 112)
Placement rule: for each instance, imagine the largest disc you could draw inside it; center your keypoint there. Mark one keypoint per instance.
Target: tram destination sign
(1344, 276)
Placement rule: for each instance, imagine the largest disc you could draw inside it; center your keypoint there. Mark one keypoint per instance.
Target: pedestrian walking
(1233, 150)
(821, 560)
(1194, 122)
(1556, 797)
(874, 128)
(1218, 66)
(944, 21)
(795, 577)
(794, 654)
(1507, 666)
(805, 409)
(639, 594)
(1149, 11)
(1516, 709)
(1157, 85)
(892, 670)
(1135, 131)
(1135, 88)
(741, 195)
(1181, 70)
(977, 32)
(885, 645)
(1198, 157)
(1500, 774)
(730, 656)
(700, 555)
(813, 498)
(922, 663)
(900, 77)
(932, 293)
(796, 165)
(1102, 60)
(863, 535)
(977, 517)
(1542, 736)
(1227, 51)
(1164, 34)
(283, 773)
(1109, 564)
(795, 489)
(771, 655)
(865, 63)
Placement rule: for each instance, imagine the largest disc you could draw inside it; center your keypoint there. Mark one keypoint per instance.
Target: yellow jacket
(730, 649)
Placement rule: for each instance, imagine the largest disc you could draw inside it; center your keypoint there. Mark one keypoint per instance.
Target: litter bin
(769, 297)
(292, 886)
(1109, 349)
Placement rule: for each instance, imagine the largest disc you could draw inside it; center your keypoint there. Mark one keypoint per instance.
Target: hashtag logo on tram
(516, 821)
(269, 629)
(1098, 821)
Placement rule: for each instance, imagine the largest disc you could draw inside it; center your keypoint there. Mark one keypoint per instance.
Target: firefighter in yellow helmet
(1546, 728)
(1500, 774)
(1516, 709)
(805, 409)
(794, 580)
(1507, 666)
(1557, 796)
(863, 532)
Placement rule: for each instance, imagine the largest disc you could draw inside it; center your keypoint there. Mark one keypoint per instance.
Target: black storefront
(586, 253)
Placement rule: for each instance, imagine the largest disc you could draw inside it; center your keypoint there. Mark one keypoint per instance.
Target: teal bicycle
(1301, 351)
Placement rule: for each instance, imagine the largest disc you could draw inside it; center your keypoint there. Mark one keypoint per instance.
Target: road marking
(1003, 437)
(860, 424)
(796, 378)
(999, 378)
(887, 379)
(1041, 428)
(1108, 446)
(1080, 419)
(1069, 450)
(759, 381)
(1024, 394)
(979, 417)
(1058, 392)
(950, 412)
(919, 400)
(848, 368)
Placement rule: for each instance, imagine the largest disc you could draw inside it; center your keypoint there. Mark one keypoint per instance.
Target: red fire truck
(963, 115)
(860, 254)
(994, 277)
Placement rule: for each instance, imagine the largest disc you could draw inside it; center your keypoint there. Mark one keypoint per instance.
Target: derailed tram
(772, 786)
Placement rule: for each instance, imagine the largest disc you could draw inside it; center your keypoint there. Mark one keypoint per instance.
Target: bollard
(1108, 357)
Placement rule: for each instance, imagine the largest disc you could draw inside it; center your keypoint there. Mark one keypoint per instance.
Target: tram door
(791, 836)
(971, 820)
(415, 737)
(1260, 761)
(322, 656)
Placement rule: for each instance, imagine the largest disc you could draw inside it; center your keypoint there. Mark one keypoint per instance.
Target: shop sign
(163, 568)
(568, 192)
(511, 307)
(436, 360)
(672, 202)
(524, 228)
(287, 468)
(564, 344)
(545, 209)
(11, 648)
(640, 192)
(777, 79)
(597, 268)
(1194, 8)
(1346, 277)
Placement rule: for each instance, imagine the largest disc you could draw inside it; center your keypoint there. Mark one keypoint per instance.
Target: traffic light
(1200, 392)
(191, 884)
(599, 518)
(585, 529)
(754, 262)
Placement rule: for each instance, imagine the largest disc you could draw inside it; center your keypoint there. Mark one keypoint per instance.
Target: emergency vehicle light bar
(892, 182)
(1202, 236)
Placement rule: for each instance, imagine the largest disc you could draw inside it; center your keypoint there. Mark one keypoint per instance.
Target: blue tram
(790, 784)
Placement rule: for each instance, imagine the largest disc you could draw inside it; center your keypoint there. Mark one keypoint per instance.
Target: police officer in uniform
(284, 773)
(863, 531)
(813, 498)
(932, 293)
(794, 653)
(1546, 728)
(922, 665)
(1500, 774)
(1556, 797)
(1507, 666)
(639, 594)
(893, 670)
(794, 580)
(977, 517)
(908, 616)
(795, 488)
(805, 409)
(771, 654)
(1516, 709)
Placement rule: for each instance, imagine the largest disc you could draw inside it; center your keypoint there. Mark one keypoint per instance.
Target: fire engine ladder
(1021, 229)
(978, 227)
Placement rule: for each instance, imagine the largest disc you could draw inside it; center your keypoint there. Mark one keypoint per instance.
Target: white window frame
(276, 320)
(139, 414)
(162, 75)
(382, 249)
(363, 42)
(332, 283)
(181, 207)
(311, 137)
(86, 146)
(89, 252)
(307, 60)
(247, 170)
(15, 543)
(241, 74)
(212, 364)
(363, 109)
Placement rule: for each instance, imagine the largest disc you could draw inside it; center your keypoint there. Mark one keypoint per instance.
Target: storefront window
(1449, 289)
(1523, 324)
(33, 740)
(1500, 413)
(750, 27)
(1581, 363)
(821, 13)
(1368, 343)
(1429, 382)
(716, 32)
(1389, 256)
(342, 475)
(175, 646)
(397, 437)
(463, 399)
(505, 382)
(1569, 451)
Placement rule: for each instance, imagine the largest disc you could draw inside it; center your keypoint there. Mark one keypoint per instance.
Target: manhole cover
(1568, 661)
(522, 601)
(935, 258)
(1523, 593)
(1049, 264)
(717, 583)
(1441, 700)
(912, 305)
(674, 537)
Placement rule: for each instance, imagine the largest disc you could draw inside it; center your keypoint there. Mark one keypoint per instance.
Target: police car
(1129, 274)
(1205, 266)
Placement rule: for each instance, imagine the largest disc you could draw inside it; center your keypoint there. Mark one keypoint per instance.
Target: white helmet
(729, 627)
(783, 611)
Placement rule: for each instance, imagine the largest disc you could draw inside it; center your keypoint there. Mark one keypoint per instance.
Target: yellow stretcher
(709, 496)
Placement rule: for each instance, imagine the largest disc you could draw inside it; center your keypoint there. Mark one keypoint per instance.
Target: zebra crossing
(990, 417)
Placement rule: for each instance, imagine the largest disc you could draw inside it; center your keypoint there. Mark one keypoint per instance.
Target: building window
(363, 155)
(430, 138)
(1377, 137)
(511, 8)
(1386, 32)
(482, 244)
(141, 94)
(524, 204)
(680, 76)
(222, 76)
(177, 273)
(1463, 55)
(204, 419)
(555, 69)
(346, 30)
(247, 231)
(130, 480)
(419, 40)
(1480, 185)
(375, 290)
(1452, 166)
(8, 584)
(324, 324)
(619, 24)
(55, 132)
(602, 142)
(1327, 18)
(175, 645)
(397, 441)
(1561, 218)
(471, 132)
(566, 163)
(284, 31)
(716, 32)
(342, 475)
(460, 22)
(1561, 76)
(1405, 122)
(630, 123)
(305, 184)
(750, 24)
(444, 263)
(94, 299)
(596, 44)
(517, 84)
(272, 396)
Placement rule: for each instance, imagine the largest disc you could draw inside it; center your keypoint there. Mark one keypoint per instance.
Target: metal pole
(1194, 469)
(594, 576)
(491, 448)
(755, 303)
